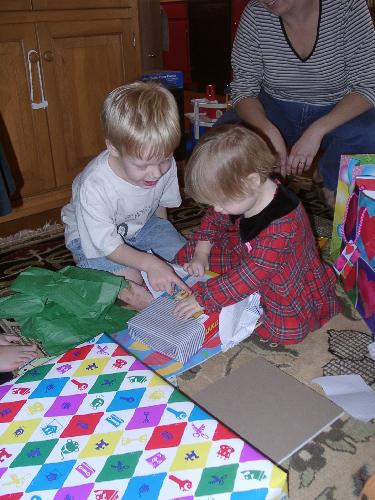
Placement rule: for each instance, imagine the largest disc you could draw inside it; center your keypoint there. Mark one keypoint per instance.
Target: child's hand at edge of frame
(186, 308)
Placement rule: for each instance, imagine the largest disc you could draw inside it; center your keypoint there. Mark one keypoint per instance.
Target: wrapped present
(158, 327)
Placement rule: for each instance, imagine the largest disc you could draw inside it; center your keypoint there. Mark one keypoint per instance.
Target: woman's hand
(198, 264)
(304, 150)
(279, 146)
(186, 308)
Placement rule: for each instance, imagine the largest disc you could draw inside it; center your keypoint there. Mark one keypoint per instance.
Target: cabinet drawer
(175, 10)
(79, 4)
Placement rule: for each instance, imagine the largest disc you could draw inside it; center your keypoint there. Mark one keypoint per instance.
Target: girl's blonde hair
(220, 164)
(141, 120)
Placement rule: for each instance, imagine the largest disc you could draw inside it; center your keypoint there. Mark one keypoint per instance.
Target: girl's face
(246, 205)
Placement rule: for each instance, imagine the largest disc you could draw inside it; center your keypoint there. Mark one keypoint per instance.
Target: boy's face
(142, 173)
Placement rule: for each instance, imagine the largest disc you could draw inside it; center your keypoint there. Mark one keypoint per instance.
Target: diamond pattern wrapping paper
(96, 423)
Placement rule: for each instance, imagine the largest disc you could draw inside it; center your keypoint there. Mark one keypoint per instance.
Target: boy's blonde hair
(220, 164)
(141, 120)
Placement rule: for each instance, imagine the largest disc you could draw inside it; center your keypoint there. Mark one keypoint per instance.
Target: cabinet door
(23, 130)
(150, 31)
(83, 61)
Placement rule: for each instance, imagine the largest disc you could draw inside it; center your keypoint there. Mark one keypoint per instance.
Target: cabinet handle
(134, 40)
(33, 58)
(151, 54)
(48, 56)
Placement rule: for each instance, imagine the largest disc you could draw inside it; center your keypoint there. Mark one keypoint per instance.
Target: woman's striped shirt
(342, 60)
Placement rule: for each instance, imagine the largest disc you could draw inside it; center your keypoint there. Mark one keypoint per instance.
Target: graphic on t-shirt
(122, 230)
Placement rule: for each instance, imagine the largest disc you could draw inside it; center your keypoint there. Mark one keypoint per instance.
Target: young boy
(118, 208)
(256, 236)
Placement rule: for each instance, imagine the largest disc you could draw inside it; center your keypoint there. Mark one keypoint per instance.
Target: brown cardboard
(268, 408)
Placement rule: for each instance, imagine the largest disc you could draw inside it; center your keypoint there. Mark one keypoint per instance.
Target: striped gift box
(157, 327)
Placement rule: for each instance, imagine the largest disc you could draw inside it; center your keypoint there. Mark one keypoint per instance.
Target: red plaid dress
(297, 289)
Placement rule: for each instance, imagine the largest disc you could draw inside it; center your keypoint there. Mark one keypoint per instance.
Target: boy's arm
(161, 274)
(161, 212)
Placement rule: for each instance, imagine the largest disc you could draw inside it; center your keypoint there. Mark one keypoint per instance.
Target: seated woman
(304, 76)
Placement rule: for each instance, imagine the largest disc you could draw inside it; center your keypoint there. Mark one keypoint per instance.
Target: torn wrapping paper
(61, 309)
(351, 393)
(157, 326)
(236, 322)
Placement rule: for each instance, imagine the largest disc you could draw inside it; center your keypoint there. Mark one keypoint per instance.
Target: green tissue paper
(65, 308)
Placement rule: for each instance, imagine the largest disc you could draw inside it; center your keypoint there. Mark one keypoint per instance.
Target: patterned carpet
(335, 465)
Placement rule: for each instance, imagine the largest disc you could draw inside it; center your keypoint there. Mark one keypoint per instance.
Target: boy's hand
(162, 277)
(198, 264)
(186, 308)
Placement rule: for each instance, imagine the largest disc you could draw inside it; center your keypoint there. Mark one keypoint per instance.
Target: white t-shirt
(104, 205)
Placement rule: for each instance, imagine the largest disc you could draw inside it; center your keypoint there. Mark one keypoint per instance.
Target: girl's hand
(186, 308)
(198, 265)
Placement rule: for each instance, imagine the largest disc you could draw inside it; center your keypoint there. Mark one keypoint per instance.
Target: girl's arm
(199, 263)
(212, 226)
(258, 268)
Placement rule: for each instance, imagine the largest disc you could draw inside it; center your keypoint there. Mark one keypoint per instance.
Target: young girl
(257, 236)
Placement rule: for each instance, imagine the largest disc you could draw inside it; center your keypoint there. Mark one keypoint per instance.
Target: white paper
(371, 350)
(351, 393)
(238, 321)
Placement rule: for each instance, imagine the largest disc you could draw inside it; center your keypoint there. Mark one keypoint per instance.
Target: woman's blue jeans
(293, 118)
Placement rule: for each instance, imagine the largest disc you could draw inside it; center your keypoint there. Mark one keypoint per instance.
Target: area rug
(333, 466)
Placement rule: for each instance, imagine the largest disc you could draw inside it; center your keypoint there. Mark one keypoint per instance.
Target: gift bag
(351, 166)
(356, 262)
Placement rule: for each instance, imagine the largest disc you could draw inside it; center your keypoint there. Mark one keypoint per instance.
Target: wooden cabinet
(151, 34)
(56, 66)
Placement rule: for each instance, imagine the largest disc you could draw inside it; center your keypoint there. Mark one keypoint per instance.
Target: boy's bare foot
(13, 356)
(136, 296)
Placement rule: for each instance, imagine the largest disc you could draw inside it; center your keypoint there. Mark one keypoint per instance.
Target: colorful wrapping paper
(96, 423)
